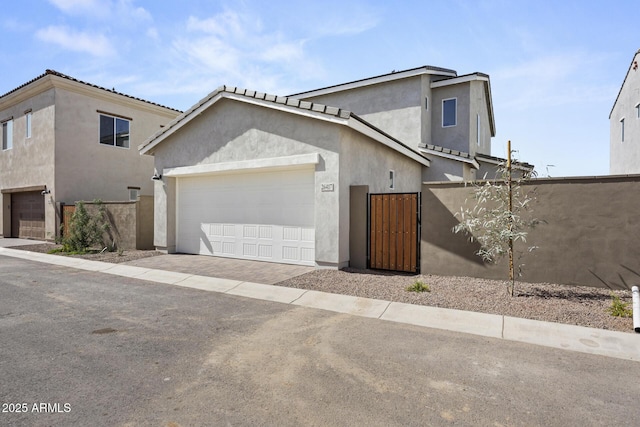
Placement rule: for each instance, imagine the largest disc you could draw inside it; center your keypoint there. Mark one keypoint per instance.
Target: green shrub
(85, 230)
(419, 287)
(619, 308)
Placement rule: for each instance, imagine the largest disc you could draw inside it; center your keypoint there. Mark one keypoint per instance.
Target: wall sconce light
(156, 177)
(45, 191)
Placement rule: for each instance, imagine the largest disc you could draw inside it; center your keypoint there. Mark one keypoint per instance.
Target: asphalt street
(80, 348)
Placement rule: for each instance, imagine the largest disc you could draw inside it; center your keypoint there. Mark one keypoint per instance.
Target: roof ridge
(50, 72)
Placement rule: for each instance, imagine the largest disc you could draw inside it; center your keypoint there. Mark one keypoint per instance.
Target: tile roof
(64, 76)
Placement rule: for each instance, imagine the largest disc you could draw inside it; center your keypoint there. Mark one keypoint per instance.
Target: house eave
(376, 80)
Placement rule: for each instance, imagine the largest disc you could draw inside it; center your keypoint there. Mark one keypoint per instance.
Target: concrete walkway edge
(601, 342)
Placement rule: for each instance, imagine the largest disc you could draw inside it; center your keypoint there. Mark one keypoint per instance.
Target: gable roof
(282, 103)
(394, 75)
(633, 60)
(55, 74)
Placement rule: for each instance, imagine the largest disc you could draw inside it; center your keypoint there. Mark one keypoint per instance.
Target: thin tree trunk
(509, 186)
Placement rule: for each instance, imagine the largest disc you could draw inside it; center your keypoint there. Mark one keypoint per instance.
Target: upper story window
(621, 130)
(114, 131)
(478, 130)
(638, 111)
(449, 112)
(27, 117)
(7, 135)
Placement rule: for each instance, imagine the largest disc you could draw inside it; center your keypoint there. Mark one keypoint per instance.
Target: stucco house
(624, 124)
(250, 175)
(65, 140)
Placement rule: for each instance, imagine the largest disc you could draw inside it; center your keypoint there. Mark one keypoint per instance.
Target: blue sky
(555, 66)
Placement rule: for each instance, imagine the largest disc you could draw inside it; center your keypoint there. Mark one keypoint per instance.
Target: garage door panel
(265, 216)
(27, 215)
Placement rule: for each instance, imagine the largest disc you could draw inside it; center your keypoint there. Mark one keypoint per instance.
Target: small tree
(85, 230)
(496, 221)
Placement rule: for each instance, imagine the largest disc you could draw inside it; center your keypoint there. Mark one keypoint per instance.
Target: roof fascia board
(470, 161)
(284, 107)
(459, 80)
(361, 127)
(371, 81)
(285, 162)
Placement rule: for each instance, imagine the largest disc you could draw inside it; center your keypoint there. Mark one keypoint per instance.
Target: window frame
(115, 119)
(455, 112)
(7, 134)
(131, 192)
(28, 117)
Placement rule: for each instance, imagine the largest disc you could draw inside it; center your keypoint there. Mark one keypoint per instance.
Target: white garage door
(264, 216)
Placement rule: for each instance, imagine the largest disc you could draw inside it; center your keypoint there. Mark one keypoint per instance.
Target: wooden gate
(67, 211)
(394, 224)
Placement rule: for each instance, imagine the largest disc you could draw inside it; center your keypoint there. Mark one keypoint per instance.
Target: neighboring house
(64, 140)
(273, 178)
(624, 123)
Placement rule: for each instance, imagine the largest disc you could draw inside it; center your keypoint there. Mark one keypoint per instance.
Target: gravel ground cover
(573, 305)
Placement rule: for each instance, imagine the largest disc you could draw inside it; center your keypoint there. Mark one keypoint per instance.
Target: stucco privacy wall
(591, 230)
(130, 223)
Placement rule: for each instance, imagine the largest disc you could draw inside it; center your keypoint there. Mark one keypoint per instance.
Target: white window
(478, 139)
(622, 130)
(114, 131)
(7, 135)
(27, 117)
(392, 181)
(449, 112)
(134, 193)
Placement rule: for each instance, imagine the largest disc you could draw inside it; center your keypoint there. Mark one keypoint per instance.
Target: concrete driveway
(9, 242)
(267, 273)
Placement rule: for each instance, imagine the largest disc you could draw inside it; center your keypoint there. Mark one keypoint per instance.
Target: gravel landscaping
(574, 305)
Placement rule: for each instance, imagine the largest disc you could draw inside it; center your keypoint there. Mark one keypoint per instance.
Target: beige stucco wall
(86, 169)
(30, 163)
(234, 131)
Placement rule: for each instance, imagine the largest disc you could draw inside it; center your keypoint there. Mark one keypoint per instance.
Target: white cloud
(125, 10)
(94, 44)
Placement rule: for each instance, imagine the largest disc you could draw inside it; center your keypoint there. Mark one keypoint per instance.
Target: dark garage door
(27, 215)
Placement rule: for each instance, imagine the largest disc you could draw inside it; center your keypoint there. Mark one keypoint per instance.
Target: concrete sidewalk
(576, 338)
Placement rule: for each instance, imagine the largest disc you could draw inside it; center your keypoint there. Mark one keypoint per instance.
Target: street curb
(601, 342)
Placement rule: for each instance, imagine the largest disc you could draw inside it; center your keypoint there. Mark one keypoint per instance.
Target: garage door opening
(263, 216)
(27, 215)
